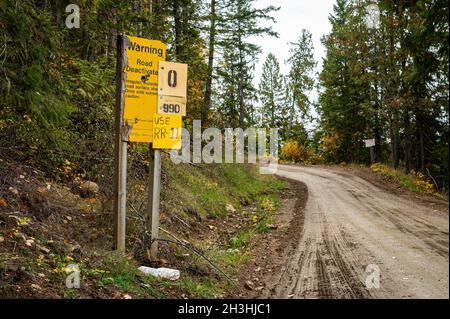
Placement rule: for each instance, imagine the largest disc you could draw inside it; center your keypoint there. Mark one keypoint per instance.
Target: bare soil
(271, 250)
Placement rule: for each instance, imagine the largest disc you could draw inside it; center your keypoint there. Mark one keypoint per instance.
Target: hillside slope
(208, 214)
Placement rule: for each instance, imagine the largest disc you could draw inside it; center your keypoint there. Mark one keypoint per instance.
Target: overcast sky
(293, 16)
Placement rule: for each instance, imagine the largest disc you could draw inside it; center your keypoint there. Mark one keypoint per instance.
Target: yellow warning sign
(141, 85)
(167, 131)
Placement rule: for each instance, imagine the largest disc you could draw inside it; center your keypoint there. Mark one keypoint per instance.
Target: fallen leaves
(3, 202)
(41, 190)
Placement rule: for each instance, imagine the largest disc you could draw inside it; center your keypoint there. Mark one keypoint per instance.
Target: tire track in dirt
(350, 224)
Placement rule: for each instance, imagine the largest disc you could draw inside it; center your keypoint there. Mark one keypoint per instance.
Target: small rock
(34, 286)
(258, 269)
(13, 190)
(272, 226)
(2, 239)
(12, 267)
(248, 285)
(127, 296)
(75, 248)
(29, 242)
(259, 288)
(230, 209)
(89, 188)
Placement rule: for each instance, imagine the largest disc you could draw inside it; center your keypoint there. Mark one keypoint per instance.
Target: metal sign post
(172, 89)
(120, 155)
(156, 191)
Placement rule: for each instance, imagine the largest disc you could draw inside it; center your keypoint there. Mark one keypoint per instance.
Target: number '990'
(171, 108)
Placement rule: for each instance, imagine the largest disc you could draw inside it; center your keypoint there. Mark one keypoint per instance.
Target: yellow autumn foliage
(292, 151)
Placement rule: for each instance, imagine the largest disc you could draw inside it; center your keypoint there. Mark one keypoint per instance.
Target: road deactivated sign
(141, 58)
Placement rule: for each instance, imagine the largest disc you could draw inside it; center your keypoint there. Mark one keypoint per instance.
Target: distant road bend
(349, 224)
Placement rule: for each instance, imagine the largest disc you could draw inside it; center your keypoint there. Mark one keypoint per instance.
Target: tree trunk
(394, 135)
(420, 165)
(241, 104)
(241, 82)
(377, 126)
(408, 144)
(177, 25)
(212, 35)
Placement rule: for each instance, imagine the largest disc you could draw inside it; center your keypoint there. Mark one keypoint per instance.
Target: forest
(383, 78)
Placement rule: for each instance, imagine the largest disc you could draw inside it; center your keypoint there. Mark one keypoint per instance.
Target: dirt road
(352, 226)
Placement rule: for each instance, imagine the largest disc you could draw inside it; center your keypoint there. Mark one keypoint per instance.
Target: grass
(267, 206)
(204, 289)
(414, 181)
(207, 189)
(241, 238)
(229, 258)
(210, 188)
(122, 273)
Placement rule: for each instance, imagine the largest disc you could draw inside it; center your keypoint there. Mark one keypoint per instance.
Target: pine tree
(301, 77)
(271, 92)
(240, 21)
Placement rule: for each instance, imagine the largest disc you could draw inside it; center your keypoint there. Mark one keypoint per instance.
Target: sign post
(136, 103)
(120, 155)
(150, 103)
(370, 143)
(172, 89)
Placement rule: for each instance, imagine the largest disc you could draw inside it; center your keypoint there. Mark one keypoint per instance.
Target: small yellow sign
(172, 105)
(141, 85)
(167, 131)
(172, 79)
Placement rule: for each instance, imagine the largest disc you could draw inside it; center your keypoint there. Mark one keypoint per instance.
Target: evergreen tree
(271, 92)
(240, 21)
(301, 77)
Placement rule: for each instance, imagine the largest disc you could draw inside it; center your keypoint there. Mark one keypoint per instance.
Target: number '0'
(172, 78)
